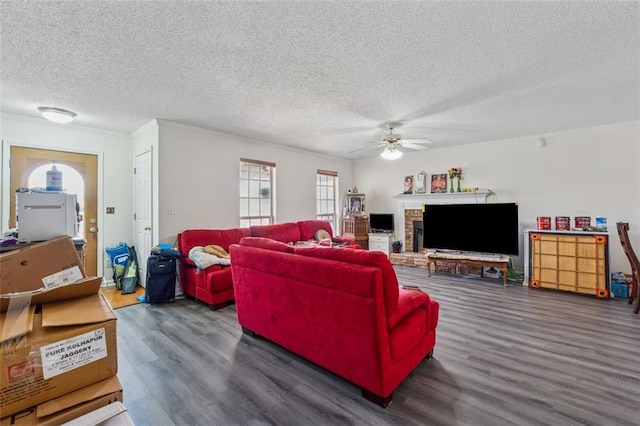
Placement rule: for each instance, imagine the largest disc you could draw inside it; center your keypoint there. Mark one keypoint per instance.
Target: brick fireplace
(411, 238)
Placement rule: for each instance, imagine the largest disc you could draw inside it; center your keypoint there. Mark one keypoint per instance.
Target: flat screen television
(381, 222)
(486, 228)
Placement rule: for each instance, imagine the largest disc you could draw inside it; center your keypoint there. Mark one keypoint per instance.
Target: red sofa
(337, 307)
(304, 230)
(214, 285)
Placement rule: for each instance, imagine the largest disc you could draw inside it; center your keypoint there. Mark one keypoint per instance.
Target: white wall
(115, 174)
(595, 171)
(199, 171)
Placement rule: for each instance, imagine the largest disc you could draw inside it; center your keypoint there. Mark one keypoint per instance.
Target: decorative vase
(451, 187)
(458, 189)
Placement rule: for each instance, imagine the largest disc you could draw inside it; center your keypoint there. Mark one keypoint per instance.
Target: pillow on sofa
(216, 251)
(322, 234)
(266, 243)
(366, 258)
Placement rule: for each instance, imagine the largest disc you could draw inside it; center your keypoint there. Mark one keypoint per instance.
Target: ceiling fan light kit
(57, 115)
(391, 153)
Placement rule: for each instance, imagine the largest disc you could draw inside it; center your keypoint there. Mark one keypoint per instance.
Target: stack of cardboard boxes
(58, 351)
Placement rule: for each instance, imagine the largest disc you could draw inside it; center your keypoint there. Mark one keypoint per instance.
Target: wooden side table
(356, 228)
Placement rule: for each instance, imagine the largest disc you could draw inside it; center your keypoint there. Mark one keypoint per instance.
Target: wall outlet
(172, 210)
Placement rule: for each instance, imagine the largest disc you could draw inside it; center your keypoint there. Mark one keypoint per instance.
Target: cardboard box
(110, 415)
(70, 406)
(491, 272)
(70, 343)
(45, 265)
(620, 290)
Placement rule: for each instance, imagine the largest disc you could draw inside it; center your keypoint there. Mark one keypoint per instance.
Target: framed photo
(408, 185)
(439, 183)
(421, 183)
(354, 204)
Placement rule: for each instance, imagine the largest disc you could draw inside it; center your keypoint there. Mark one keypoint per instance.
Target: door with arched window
(80, 177)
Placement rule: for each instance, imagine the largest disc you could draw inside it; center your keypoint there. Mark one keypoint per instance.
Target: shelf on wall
(485, 192)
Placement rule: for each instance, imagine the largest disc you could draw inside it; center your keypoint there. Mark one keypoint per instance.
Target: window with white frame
(256, 192)
(326, 189)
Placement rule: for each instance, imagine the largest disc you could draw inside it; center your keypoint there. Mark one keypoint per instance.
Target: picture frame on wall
(439, 183)
(355, 204)
(421, 183)
(408, 184)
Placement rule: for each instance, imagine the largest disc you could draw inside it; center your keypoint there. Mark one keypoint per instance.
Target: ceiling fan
(393, 141)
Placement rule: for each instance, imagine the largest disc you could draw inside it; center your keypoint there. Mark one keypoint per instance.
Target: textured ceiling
(324, 76)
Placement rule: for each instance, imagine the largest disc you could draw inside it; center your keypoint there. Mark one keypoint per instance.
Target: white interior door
(142, 212)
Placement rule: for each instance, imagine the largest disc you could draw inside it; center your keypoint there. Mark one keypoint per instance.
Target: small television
(381, 222)
(485, 228)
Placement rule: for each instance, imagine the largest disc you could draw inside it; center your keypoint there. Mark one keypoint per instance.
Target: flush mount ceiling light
(57, 115)
(390, 152)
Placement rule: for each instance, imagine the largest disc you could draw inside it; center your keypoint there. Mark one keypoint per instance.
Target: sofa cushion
(362, 257)
(284, 232)
(203, 237)
(266, 243)
(214, 279)
(308, 228)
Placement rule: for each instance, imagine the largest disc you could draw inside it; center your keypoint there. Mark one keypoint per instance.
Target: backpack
(131, 276)
(119, 255)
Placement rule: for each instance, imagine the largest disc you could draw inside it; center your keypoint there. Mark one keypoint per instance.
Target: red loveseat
(214, 285)
(337, 307)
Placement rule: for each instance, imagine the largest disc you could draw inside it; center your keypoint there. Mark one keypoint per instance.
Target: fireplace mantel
(413, 201)
(416, 201)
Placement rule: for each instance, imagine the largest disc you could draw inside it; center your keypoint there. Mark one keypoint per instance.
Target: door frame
(143, 254)
(5, 190)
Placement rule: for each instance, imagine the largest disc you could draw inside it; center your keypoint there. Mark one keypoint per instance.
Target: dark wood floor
(504, 356)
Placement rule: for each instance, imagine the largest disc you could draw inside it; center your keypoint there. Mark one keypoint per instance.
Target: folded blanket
(216, 251)
(203, 259)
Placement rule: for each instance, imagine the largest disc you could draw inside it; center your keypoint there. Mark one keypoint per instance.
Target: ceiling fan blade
(424, 141)
(349, 130)
(414, 146)
(365, 148)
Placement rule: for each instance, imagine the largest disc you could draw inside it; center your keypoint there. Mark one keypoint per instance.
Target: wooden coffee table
(497, 261)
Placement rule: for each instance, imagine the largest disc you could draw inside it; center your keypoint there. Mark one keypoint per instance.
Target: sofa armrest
(188, 262)
(408, 301)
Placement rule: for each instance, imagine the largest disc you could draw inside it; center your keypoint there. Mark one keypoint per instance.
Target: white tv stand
(381, 241)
